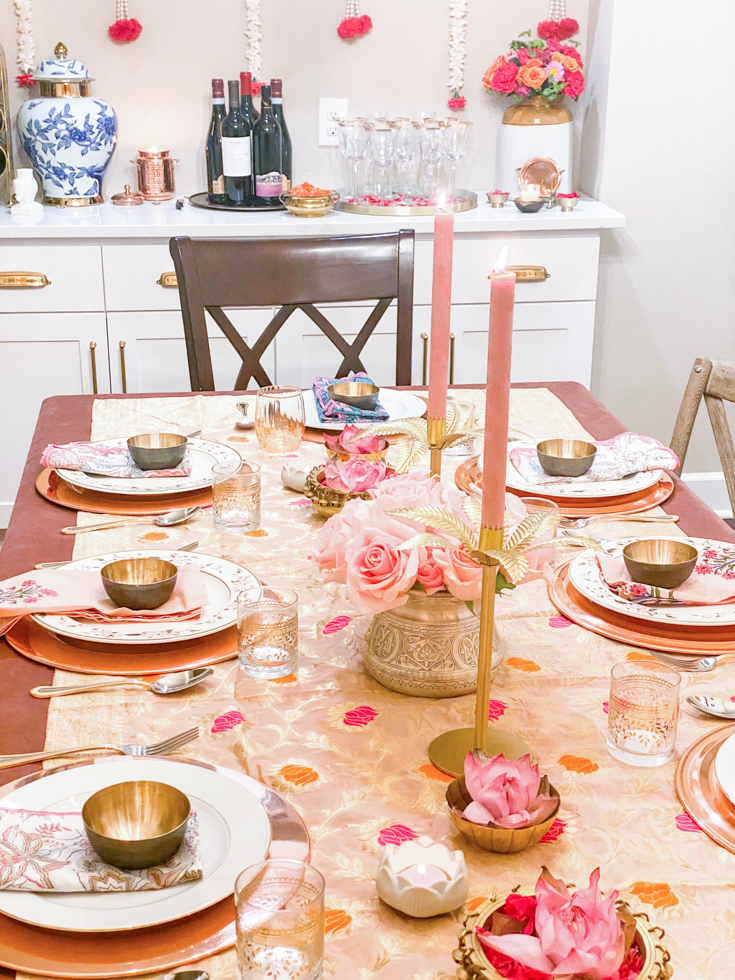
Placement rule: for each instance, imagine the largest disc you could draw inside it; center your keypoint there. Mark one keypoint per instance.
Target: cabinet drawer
(69, 277)
(132, 274)
(570, 262)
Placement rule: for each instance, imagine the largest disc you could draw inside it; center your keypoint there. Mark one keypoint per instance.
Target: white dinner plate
(234, 831)
(725, 767)
(585, 576)
(223, 580)
(204, 454)
(398, 404)
(579, 487)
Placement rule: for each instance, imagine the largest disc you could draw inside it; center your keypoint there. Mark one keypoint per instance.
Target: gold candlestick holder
(436, 433)
(448, 751)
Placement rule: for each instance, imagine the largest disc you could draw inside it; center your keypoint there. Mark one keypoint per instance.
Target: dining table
(350, 755)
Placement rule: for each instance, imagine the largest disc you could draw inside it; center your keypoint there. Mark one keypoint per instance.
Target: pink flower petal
(554, 832)
(606, 706)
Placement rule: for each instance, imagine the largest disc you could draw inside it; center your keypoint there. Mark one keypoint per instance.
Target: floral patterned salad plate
(223, 580)
(204, 454)
(234, 832)
(586, 577)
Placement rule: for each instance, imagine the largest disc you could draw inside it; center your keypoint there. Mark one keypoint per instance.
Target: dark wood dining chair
(715, 382)
(294, 274)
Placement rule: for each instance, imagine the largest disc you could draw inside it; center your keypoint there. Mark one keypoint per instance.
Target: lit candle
(441, 310)
(531, 192)
(424, 875)
(497, 392)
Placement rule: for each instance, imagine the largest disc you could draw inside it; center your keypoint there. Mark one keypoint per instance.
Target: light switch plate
(329, 110)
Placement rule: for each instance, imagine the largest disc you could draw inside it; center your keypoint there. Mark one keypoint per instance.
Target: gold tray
(468, 203)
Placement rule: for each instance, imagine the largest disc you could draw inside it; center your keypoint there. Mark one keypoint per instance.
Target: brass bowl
(310, 207)
(529, 207)
(661, 562)
(139, 583)
(136, 824)
(358, 394)
(499, 840)
(566, 457)
(497, 200)
(157, 450)
(324, 499)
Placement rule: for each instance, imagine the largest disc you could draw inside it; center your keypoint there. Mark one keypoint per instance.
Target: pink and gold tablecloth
(351, 755)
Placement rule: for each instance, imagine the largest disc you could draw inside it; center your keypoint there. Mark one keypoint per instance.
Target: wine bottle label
(268, 185)
(276, 101)
(218, 101)
(218, 186)
(236, 156)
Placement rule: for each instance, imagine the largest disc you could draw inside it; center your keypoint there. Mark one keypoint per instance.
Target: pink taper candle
(497, 393)
(441, 311)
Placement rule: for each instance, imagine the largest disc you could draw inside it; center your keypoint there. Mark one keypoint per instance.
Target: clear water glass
(236, 496)
(643, 712)
(540, 505)
(268, 631)
(280, 921)
(279, 419)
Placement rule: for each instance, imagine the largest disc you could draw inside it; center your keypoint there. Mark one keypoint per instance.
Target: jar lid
(127, 197)
(60, 69)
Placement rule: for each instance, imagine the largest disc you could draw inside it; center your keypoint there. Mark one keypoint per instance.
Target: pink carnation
(457, 102)
(575, 85)
(504, 78)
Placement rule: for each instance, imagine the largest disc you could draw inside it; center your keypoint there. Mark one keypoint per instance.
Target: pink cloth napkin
(50, 852)
(712, 582)
(80, 593)
(106, 461)
(616, 458)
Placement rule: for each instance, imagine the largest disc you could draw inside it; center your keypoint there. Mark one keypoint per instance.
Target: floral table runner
(352, 756)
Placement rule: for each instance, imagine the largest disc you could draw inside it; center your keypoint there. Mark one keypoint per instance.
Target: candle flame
(421, 870)
(441, 202)
(502, 259)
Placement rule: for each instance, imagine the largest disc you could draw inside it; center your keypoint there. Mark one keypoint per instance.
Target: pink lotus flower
(355, 476)
(341, 445)
(505, 793)
(578, 934)
(378, 575)
(462, 575)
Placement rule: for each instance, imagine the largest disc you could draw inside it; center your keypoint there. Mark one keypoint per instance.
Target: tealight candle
(422, 878)
(423, 875)
(529, 193)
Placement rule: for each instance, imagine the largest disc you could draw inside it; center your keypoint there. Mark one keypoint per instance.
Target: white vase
(535, 128)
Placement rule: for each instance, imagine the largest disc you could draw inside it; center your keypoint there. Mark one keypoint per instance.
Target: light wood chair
(715, 381)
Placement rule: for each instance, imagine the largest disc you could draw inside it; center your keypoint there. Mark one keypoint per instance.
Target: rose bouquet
(557, 934)
(542, 66)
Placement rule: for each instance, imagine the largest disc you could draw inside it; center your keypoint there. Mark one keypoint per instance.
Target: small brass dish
(310, 207)
(566, 457)
(139, 583)
(157, 450)
(661, 562)
(358, 394)
(497, 200)
(137, 824)
(529, 207)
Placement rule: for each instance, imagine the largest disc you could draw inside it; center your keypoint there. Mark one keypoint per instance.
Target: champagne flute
(431, 143)
(406, 149)
(353, 140)
(382, 148)
(456, 138)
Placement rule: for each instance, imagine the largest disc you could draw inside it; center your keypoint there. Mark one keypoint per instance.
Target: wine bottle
(277, 102)
(267, 154)
(236, 150)
(215, 174)
(246, 98)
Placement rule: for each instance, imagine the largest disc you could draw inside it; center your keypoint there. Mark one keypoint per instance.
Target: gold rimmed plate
(699, 791)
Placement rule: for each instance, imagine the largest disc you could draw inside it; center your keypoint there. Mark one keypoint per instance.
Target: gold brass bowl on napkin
(358, 394)
(139, 583)
(566, 457)
(158, 450)
(660, 562)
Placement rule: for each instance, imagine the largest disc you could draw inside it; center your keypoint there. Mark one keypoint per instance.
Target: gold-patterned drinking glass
(236, 496)
(280, 921)
(279, 419)
(540, 505)
(643, 712)
(268, 631)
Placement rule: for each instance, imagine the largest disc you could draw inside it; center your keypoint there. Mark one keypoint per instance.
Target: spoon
(577, 522)
(244, 422)
(168, 684)
(711, 705)
(191, 546)
(163, 520)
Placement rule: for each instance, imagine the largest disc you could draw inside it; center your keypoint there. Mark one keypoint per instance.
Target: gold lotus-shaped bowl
(566, 457)
(324, 499)
(660, 562)
(494, 838)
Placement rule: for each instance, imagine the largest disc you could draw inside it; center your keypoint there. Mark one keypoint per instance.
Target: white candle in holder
(422, 878)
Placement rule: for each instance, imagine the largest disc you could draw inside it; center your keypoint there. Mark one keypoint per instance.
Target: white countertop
(150, 221)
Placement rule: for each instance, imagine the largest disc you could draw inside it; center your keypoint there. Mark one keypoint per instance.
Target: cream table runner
(351, 755)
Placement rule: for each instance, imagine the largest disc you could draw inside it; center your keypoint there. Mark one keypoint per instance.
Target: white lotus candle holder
(422, 878)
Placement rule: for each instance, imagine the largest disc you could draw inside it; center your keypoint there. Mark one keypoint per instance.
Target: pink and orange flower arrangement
(557, 934)
(544, 66)
(506, 794)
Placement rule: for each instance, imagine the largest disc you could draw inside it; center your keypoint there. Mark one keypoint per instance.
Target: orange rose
(655, 893)
(500, 60)
(532, 75)
(534, 63)
(576, 763)
(571, 64)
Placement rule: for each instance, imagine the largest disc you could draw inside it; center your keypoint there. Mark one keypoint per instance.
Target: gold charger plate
(51, 486)
(124, 660)
(700, 793)
(83, 956)
(710, 641)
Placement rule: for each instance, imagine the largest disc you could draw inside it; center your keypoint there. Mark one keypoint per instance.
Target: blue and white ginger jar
(68, 136)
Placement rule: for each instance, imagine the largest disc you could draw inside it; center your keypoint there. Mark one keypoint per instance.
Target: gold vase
(427, 648)
(474, 965)
(537, 111)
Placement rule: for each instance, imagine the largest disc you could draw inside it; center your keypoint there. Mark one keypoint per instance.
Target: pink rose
(341, 445)
(337, 533)
(462, 575)
(355, 476)
(430, 576)
(505, 793)
(379, 576)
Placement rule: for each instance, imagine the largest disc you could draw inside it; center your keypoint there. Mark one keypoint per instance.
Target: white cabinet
(42, 354)
(72, 275)
(138, 277)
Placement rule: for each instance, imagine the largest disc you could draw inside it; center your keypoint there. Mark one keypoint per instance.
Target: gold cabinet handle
(167, 280)
(451, 358)
(93, 359)
(23, 280)
(425, 360)
(123, 374)
(529, 273)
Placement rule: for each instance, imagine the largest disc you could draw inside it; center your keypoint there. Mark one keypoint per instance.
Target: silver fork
(191, 546)
(156, 748)
(691, 665)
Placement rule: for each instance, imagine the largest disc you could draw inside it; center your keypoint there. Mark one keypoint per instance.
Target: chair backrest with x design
(292, 273)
